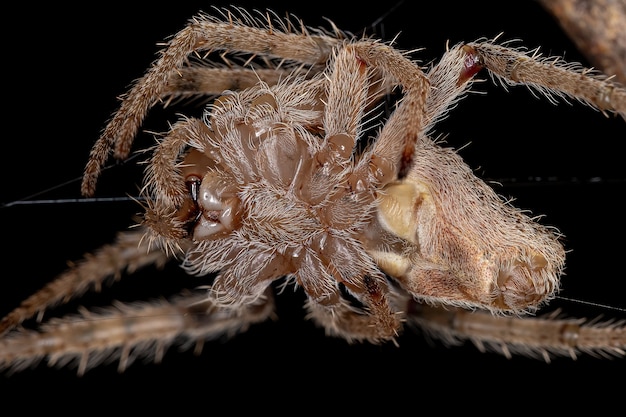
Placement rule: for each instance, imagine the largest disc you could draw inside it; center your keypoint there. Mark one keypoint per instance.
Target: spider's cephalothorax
(289, 174)
(264, 188)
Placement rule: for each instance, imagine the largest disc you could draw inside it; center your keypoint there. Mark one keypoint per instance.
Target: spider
(294, 177)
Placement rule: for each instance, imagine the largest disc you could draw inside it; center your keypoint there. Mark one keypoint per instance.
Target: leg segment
(549, 76)
(543, 337)
(127, 253)
(598, 28)
(203, 34)
(396, 143)
(127, 332)
(198, 80)
(379, 323)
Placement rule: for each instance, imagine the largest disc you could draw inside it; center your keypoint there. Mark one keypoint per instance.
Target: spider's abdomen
(465, 245)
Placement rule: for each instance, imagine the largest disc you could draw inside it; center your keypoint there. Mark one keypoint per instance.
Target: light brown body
(275, 183)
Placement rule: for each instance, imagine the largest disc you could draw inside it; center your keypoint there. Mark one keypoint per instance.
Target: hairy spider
(288, 176)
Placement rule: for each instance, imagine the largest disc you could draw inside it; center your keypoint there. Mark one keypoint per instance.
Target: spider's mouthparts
(217, 204)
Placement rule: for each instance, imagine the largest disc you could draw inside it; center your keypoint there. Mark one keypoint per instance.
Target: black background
(64, 67)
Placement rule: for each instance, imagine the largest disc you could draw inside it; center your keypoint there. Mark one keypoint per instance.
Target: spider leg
(543, 337)
(128, 331)
(204, 33)
(427, 99)
(549, 76)
(395, 145)
(199, 80)
(348, 85)
(129, 252)
(601, 42)
(164, 181)
(206, 80)
(379, 323)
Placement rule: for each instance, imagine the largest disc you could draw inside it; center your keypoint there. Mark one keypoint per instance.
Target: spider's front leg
(169, 75)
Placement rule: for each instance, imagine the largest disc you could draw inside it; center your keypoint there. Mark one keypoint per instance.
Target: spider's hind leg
(544, 336)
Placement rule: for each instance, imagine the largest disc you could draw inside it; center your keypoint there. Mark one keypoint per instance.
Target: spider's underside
(280, 181)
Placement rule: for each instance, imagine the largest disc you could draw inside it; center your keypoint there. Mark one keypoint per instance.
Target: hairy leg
(128, 253)
(203, 34)
(128, 331)
(543, 336)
